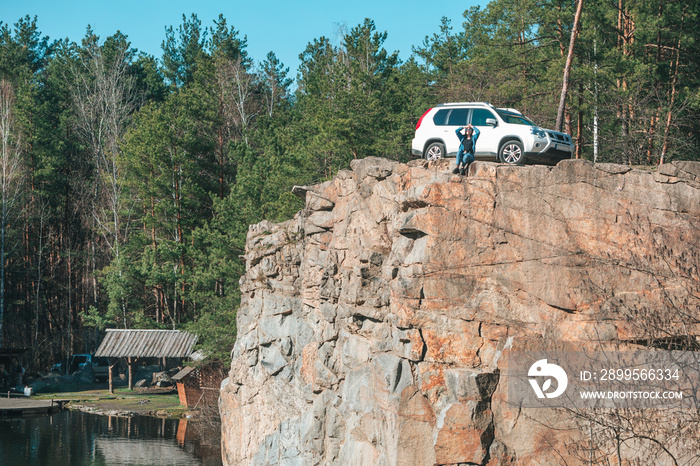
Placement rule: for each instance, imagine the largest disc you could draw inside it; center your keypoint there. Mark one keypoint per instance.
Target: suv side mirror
(491, 122)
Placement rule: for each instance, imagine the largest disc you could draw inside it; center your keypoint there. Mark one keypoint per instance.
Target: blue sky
(282, 27)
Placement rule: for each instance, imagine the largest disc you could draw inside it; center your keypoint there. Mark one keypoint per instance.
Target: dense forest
(128, 181)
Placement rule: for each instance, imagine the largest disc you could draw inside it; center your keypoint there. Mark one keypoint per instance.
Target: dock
(25, 406)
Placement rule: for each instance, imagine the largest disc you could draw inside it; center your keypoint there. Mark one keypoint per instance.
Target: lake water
(75, 438)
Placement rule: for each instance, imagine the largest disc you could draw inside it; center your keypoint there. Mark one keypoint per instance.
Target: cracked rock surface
(374, 327)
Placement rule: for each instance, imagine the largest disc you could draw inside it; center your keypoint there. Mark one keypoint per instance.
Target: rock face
(375, 325)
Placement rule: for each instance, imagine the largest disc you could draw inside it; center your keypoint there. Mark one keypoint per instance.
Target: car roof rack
(482, 104)
(450, 104)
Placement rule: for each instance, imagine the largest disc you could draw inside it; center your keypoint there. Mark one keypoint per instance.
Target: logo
(542, 369)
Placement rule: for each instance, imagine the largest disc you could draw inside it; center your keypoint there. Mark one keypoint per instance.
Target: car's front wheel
(435, 151)
(512, 153)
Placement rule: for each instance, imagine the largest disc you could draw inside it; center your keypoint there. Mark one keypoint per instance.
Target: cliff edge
(375, 325)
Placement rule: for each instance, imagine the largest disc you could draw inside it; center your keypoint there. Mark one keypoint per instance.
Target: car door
(456, 118)
(487, 144)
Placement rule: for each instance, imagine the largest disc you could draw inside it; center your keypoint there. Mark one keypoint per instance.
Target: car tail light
(420, 120)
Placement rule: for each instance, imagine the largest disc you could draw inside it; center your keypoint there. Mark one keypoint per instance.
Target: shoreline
(153, 402)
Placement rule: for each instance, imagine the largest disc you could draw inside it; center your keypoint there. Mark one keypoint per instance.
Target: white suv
(506, 135)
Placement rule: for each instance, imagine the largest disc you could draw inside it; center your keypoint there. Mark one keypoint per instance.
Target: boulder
(162, 379)
(141, 383)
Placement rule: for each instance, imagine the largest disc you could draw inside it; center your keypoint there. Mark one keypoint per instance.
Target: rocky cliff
(375, 325)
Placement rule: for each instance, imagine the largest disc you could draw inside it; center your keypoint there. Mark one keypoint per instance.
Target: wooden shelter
(196, 385)
(11, 373)
(135, 344)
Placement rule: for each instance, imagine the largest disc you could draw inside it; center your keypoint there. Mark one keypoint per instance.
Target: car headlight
(538, 132)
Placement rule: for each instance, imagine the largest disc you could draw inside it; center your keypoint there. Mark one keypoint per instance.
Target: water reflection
(74, 438)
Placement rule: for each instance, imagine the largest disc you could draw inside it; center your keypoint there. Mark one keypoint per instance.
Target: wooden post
(111, 376)
(130, 361)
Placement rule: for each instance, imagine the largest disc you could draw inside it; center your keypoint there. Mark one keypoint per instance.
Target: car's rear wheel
(512, 153)
(435, 151)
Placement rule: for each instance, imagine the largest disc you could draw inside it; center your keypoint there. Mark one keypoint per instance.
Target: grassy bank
(123, 402)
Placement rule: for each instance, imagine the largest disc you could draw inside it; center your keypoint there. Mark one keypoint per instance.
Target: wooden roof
(146, 344)
(183, 373)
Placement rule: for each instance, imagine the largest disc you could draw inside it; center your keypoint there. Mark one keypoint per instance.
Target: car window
(480, 115)
(514, 119)
(458, 117)
(441, 116)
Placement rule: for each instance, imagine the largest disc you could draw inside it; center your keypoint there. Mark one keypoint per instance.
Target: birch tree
(10, 181)
(103, 96)
(239, 87)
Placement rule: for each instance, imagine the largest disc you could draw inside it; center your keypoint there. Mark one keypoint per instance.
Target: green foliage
(181, 53)
(209, 142)
(217, 334)
(92, 318)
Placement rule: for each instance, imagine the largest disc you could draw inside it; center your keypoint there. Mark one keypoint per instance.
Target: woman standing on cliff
(467, 145)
